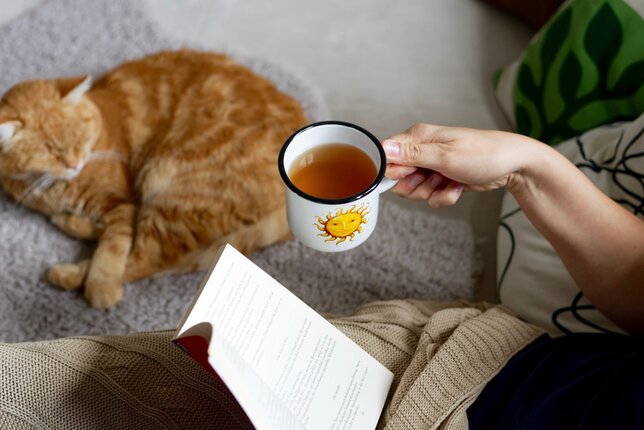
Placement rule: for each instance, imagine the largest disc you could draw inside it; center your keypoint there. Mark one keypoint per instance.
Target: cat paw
(68, 276)
(103, 295)
(76, 226)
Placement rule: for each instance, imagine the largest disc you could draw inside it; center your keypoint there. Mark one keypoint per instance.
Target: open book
(286, 365)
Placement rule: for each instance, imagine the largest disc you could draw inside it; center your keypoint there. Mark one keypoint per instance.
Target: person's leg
(579, 381)
(145, 381)
(140, 381)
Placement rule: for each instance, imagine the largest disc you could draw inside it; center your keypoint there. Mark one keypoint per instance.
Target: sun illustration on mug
(343, 224)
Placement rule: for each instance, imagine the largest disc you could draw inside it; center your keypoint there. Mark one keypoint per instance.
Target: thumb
(403, 149)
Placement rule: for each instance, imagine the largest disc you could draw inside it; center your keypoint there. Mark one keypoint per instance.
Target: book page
(287, 366)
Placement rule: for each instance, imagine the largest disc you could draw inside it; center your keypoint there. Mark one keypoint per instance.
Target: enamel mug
(338, 224)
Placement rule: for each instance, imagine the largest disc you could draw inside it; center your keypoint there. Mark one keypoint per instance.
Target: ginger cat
(161, 160)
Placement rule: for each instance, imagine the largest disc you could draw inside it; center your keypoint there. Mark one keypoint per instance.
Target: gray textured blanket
(409, 255)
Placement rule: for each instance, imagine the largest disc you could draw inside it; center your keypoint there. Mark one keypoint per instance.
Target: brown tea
(333, 171)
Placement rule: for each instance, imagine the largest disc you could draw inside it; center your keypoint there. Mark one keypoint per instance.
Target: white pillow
(532, 280)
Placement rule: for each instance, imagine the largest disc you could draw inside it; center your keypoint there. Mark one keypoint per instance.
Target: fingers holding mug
(423, 184)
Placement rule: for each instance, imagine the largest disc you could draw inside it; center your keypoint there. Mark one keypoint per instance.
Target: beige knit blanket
(441, 354)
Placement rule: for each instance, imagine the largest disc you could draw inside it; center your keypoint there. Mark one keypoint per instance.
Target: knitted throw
(441, 354)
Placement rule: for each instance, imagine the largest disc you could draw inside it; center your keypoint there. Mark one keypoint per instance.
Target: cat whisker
(43, 186)
(104, 155)
(33, 185)
(36, 188)
(58, 199)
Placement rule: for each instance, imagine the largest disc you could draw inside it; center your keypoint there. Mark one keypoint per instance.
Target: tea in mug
(333, 171)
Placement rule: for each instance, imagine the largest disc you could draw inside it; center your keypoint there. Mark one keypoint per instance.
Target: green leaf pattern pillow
(585, 68)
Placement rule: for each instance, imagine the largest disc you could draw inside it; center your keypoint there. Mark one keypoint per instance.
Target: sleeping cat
(161, 160)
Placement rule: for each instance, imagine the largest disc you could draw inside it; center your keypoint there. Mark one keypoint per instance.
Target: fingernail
(435, 181)
(392, 148)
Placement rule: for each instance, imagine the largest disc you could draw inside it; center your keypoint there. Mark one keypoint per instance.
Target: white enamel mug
(338, 224)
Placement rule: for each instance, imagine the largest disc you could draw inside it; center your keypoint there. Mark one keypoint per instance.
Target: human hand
(436, 163)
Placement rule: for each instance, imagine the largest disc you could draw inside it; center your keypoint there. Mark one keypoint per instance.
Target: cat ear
(72, 89)
(8, 128)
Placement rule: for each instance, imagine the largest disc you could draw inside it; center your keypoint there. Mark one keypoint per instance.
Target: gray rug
(408, 255)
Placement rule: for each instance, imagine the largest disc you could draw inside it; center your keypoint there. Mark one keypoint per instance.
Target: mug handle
(386, 184)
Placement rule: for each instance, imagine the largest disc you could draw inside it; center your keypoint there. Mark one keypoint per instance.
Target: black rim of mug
(361, 194)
